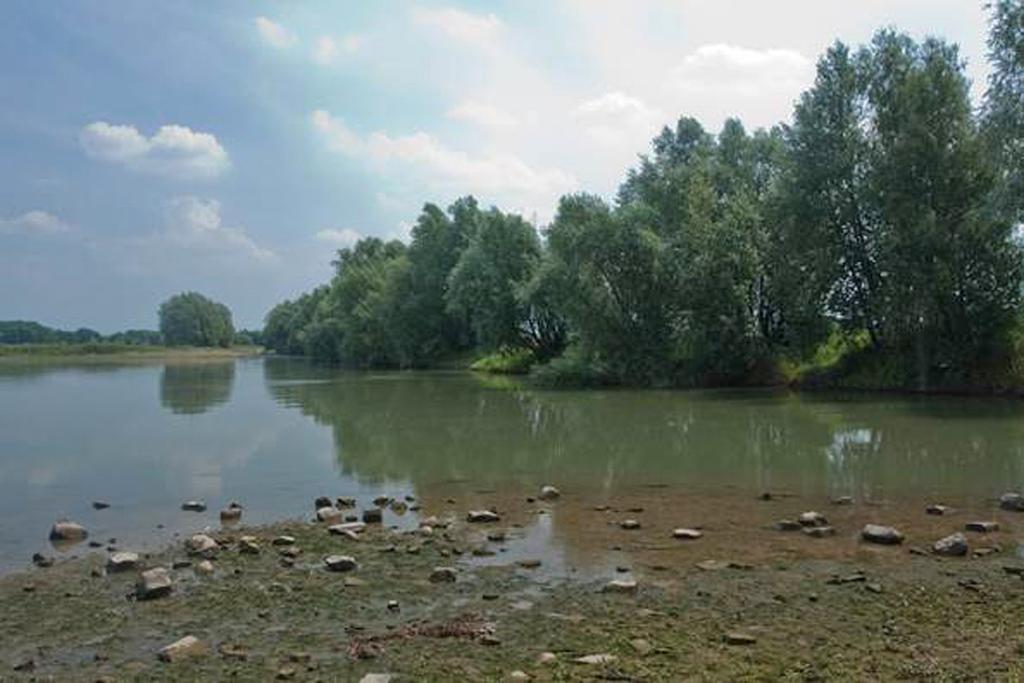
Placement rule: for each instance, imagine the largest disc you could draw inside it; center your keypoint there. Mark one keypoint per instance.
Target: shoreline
(269, 606)
(124, 355)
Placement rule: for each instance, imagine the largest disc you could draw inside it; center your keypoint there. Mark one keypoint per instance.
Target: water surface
(275, 433)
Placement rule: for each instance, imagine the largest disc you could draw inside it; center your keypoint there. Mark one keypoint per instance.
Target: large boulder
(885, 535)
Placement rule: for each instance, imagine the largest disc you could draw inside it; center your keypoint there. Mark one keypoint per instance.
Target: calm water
(275, 433)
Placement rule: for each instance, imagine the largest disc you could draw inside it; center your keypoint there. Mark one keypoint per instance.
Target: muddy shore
(722, 606)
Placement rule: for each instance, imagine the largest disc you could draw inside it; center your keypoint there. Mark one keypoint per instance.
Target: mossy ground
(917, 618)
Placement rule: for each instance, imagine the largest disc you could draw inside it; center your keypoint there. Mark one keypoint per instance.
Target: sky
(231, 147)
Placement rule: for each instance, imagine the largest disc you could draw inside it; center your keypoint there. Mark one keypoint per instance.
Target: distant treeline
(881, 223)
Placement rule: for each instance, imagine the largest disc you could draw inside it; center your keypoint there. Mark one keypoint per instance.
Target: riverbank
(119, 353)
(709, 607)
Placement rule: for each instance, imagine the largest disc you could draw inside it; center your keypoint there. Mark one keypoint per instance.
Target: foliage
(507, 361)
(190, 319)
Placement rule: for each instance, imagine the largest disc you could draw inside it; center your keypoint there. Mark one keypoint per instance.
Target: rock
(100, 505)
(376, 678)
(687, 534)
(346, 502)
(621, 586)
(531, 563)
(482, 516)
(547, 658)
(40, 560)
(340, 563)
(982, 527)
(348, 529)
(739, 638)
(443, 575)
(153, 583)
(812, 519)
(595, 659)
(629, 524)
(873, 587)
(373, 516)
(398, 507)
(496, 536)
(120, 562)
(393, 606)
(201, 544)
(382, 501)
(189, 646)
(787, 525)
(290, 551)
(642, 646)
(181, 564)
(330, 515)
(194, 506)
(856, 577)
(886, 535)
(283, 540)
(286, 673)
(954, 545)
(68, 531)
(231, 514)
(233, 651)
(518, 675)
(322, 502)
(248, 545)
(205, 568)
(936, 509)
(1012, 501)
(843, 500)
(549, 493)
(819, 531)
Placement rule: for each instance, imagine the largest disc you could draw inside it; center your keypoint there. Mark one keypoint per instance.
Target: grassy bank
(115, 353)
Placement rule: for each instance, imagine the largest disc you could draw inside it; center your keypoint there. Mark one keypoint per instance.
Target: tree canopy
(190, 319)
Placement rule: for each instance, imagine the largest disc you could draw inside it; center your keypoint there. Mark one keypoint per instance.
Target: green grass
(506, 362)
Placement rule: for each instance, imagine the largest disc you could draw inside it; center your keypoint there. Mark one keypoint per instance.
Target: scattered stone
(843, 500)
(95, 544)
(398, 507)
(629, 524)
(713, 565)
(376, 678)
(549, 493)
(496, 536)
(40, 560)
(1012, 501)
(373, 516)
(595, 659)
(381, 501)
(331, 515)
(393, 606)
(248, 545)
(482, 516)
(68, 531)
(954, 545)
(232, 513)
(916, 550)
(739, 638)
(936, 510)
(602, 508)
(812, 519)
(642, 646)
(340, 563)
(346, 502)
(819, 531)
(873, 587)
(885, 535)
(153, 583)
(787, 525)
(547, 658)
(25, 665)
(283, 540)
(189, 646)
(233, 651)
(1013, 570)
(985, 552)
(181, 564)
(443, 575)
(621, 586)
(483, 552)
(201, 544)
(194, 506)
(100, 505)
(286, 673)
(982, 527)
(531, 563)
(205, 568)
(120, 562)
(322, 502)
(857, 577)
(518, 675)
(349, 529)
(687, 534)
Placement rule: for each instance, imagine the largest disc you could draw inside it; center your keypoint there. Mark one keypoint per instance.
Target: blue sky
(230, 147)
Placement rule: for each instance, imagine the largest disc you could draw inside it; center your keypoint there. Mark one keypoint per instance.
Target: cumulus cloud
(730, 68)
(195, 224)
(33, 223)
(343, 237)
(328, 48)
(477, 30)
(447, 167)
(174, 151)
(616, 118)
(481, 114)
(274, 34)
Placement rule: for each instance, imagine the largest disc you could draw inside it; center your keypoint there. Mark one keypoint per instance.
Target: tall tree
(192, 319)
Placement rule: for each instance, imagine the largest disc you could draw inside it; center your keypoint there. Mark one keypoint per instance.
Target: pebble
(936, 509)
(547, 658)
(189, 646)
(739, 638)
(886, 535)
(496, 536)
(194, 506)
(595, 659)
(346, 502)
(629, 524)
(642, 646)
(283, 540)
(819, 531)
(340, 563)
(233, 651)
(40, 560)
(812, 518)
(549, 493)
(518, 675)
(232, 513)
(205, 567)
(247, 545)
(843, 500)
(322, 502)
(153, 583)
(443, 575)
(621, 586)
(954, 545)
(347, 528)
(376, 678)
(529, 563)
(393, 606)
(482, 516)
(381, 501)
(687, 534)
(982, 527)
(100, 505)
(373, 516)
(68, 531)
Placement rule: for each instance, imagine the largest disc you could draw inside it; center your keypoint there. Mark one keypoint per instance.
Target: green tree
(1004, 103)
(192, 319)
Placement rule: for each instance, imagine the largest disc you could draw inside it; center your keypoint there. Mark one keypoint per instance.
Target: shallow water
(275, 433)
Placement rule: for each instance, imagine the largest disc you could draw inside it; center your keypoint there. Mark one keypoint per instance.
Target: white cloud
(722, 68)
(33, 223)
(274, 34)
(328, 48)
(195, 224)
(472, 29)
(343, 237)
(481, 114)
(174, 151)
(445, 167)
(614, 119)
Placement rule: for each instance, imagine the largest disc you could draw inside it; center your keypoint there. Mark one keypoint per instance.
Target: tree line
(883, 219)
